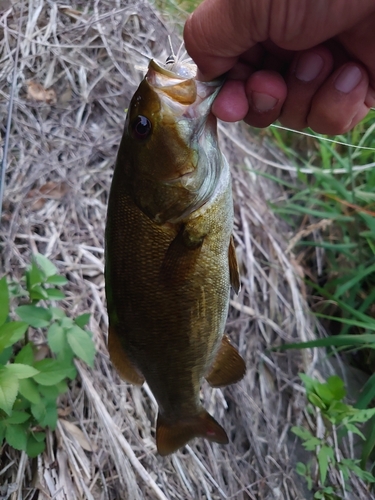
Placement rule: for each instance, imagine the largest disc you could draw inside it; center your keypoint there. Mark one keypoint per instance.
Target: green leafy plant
(31, 376)
(331, 206)
(326, 403)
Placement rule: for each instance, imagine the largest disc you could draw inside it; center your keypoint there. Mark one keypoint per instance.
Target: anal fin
(234, 272)
(170, 435)
(228, 366)
(121, 361)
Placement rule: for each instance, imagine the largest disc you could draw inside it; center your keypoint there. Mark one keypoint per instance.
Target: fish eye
(141, 127)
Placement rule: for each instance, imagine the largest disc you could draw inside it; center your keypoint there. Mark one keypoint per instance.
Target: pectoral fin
(170, 436)
(228, 366)
(181, 257)
(234, 272)
(119, 358)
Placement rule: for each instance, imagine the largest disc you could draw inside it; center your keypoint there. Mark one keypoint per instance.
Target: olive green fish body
(170, 260)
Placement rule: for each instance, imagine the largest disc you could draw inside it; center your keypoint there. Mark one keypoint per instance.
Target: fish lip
(159, 68)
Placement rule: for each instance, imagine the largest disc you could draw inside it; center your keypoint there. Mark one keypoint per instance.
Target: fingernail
(309, 66)
(263, 102)
(348, 79)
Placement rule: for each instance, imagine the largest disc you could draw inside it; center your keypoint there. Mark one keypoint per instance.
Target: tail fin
(170, 436)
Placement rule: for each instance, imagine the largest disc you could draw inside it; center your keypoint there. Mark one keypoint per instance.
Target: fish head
(169, 152)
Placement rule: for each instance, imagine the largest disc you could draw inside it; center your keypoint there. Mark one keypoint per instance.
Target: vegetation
(31, 376)
(332, 208)
(325, 403)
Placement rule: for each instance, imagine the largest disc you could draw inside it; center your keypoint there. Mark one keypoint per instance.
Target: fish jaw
(176, 169)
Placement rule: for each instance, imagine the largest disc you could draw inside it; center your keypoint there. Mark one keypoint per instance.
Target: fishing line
(322, 138)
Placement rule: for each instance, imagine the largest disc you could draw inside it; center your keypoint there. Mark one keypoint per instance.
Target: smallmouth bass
(170, 257)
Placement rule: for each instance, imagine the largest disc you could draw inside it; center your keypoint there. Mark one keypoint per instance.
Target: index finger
(216, 34)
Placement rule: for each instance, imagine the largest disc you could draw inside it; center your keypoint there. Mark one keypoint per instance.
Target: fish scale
(170, 259)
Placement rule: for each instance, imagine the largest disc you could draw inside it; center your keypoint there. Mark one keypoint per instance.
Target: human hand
(307, 63)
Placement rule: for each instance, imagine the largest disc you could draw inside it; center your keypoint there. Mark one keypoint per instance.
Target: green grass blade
(364, 340)
(367, 393)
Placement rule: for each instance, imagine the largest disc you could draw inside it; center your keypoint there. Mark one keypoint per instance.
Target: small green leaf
(336, 386)
(308, 382)
(4, 300)
(39, 436)
(325, 455)
(29, 390)
(21, 371)
(38, 411)
(62, 387)
(21, 404)
(16, 436)
(82, 320)
(38, 317)
(12, 332)
(50, 418)
(81, 344)
(316, 401)
(352, 428)
(361, 416)
(57, 313)
(50, 393)
(54, 294)
(353, 466)
(67, 323)
(35, 447)
(56, 337)
(6, 355)
(26, 355)
(34, 276)
(51, 372)
(56, 279)
(46, 415)
(17, 417)
(324, 393)
(302, 433)
(301, 468)
(38, 293)
(312, 444)
(8, 390)
(45, 265)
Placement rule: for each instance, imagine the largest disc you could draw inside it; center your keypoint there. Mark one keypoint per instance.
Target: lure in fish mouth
(170, 258)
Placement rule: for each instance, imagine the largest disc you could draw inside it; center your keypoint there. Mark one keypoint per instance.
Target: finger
(266, 92)
(308, 72)
(340, 103)
(231, 104)
(219, 31)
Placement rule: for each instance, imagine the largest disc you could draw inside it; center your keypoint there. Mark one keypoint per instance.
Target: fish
(170, 259)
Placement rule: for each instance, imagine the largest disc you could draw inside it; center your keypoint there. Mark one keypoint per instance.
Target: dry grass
(88, 55)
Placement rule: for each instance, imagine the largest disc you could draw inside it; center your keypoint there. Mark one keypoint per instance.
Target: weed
(337, 419)
(32, 378)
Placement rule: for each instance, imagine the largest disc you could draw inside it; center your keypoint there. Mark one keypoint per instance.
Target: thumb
(219, 31)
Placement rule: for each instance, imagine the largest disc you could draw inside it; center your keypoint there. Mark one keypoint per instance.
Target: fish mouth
(182, 88)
